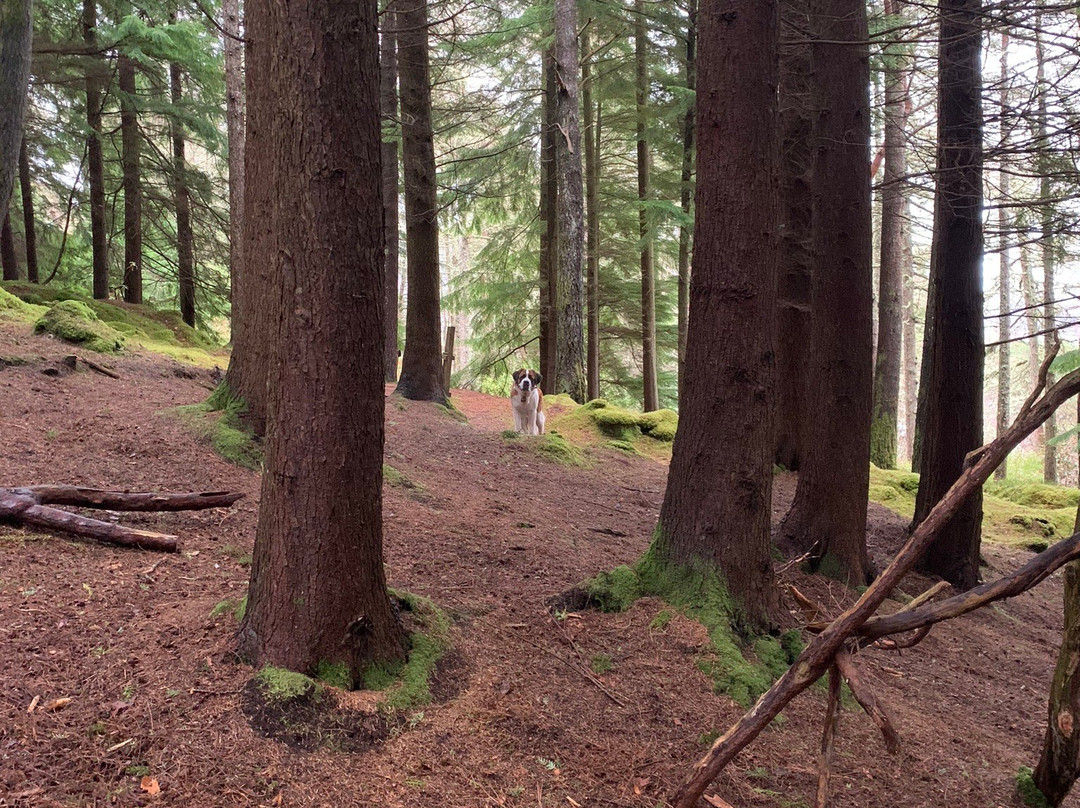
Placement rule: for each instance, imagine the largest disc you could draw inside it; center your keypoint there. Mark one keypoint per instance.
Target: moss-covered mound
(76, 322)
(601, 424)
(12, 307)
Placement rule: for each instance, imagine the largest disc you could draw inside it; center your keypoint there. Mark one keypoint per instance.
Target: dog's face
(527, 380)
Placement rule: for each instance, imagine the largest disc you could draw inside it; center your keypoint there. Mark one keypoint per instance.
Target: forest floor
(491, 533)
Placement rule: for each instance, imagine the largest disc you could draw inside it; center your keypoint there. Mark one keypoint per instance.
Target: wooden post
(448, 356)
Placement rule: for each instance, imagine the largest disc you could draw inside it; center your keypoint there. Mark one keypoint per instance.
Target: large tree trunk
(883, 429)
(28, 214)
(15, 35)
(388, 104)
(95, 160)
(234, 122)
(132, 181)
(318, 590)
(828, 517)
(709, 520)
(421, 364)
(796, 232)
(570, 308)
(549, 222)
(1046, 242)
(1004, 305)
(650, 396)
(954, 378)
(592, 218)
(9, 261)
(686, 193)
(185, 253)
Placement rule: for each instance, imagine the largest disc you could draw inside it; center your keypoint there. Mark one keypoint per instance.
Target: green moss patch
(76, 322)
(14, 308)
(280, 684)
(398, 479)
(219, 421)
(408, 684)
(702, 595)
(598, 423)
(1028, 791)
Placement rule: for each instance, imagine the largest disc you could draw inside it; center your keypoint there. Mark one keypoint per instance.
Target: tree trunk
(421, 366)
(911, 353)
(592, 218)
(8, 260)
(28, 214)
(95, 160)
(650, 396)
(1046, 243)
(796, 233)
(726, 416)
(1004, 305)
(234, 121)
(883, 429)
(828, 517)
(318, 590)
(954, 381)
(15, 35)
(686, 193)
(388, 103)
(570, 206)
(549, 223)
(185, 253)
(132, 182)
(1059, 764)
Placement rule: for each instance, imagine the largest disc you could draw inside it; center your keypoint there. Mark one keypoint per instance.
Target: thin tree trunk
(686, 192)
(95, 160)
(318, 589)
(570, 205)
(796, 232)
(828, 516)
(15, 35)
(726, 417)
(235, 122)
(28, 214)
(388, 103)
(421, 365)
(650, 397)
(1046, 243)
(549, 222)
(592, 217)
(954, 382)
(132, 181)
(8, 260)
(911, 353)
(1004, 303)
(883, 429)
(185, 253)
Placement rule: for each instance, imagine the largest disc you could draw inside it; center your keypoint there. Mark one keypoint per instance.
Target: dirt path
(492, 534)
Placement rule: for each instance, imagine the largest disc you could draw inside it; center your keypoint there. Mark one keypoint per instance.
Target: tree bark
(1004, 304)
(954, 381)
(28, 214)
(132, 181)
(709, 520)
(15, 36)
(234, 122)
(796, 233)
(911, 353)
(883, 429)
(388, 103)
(9, 261)
(421, 365)
(95, 160)
(592, 218)
(318, 591)
(686, 192)
(828, 516)
(185, 252)
(549, 184)
(650, 396)
(1046, 240)
(570, 207)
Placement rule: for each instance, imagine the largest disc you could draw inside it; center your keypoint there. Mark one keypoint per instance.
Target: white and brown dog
(527, 402)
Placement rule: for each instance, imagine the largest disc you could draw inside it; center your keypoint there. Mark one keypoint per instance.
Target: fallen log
(31, 506)
(819, 655)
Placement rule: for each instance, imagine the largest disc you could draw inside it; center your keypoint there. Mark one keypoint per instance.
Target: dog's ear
(536, 377)
(517, 374)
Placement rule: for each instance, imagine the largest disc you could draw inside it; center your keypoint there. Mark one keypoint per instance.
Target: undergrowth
(220, 421)
(1028, 791)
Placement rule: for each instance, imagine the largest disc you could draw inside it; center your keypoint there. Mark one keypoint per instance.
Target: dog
(527, 402)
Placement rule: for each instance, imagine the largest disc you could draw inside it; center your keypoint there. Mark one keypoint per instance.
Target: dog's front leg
(532, 423)
(518, 425)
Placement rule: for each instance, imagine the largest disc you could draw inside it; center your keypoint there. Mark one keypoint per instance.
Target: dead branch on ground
(31, 506)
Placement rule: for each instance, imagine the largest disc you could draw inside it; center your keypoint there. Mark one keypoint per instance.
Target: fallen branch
(828, 738)
(30, 506)
(112, 374)
(869, 702)
(820, 653)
